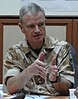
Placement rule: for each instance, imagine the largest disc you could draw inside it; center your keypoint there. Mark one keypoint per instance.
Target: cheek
(43, 31)
(26, 33)
(28, 36)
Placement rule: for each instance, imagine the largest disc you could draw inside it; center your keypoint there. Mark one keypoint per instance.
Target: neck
(36, 45)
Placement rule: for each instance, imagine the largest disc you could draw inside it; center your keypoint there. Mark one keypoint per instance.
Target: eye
(31, 26)
(41, 24)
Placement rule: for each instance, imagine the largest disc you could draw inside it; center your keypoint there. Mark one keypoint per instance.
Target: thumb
(41, 56)
(53, 62)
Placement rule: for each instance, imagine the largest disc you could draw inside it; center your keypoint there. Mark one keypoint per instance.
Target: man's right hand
(37, 68)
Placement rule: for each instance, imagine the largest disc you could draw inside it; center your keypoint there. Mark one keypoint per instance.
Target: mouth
(38, 36)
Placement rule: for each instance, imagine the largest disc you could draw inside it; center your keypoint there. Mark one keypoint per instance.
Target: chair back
(73, 52)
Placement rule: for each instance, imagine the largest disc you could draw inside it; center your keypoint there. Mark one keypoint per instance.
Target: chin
(39, 40)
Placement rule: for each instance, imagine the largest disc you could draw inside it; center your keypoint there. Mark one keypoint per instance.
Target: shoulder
(58, 45)
(56, 41)
(51, 40)
(17, 50)
(62, 43)
(19, 46)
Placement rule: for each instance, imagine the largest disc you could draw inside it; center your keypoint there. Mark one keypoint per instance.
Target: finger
(43, 74)
(41, 71)
(41, 56)
(53, 75)
(53, 62)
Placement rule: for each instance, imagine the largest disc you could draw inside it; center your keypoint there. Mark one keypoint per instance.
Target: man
(40, 64)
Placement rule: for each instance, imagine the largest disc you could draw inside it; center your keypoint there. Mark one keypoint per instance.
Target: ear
(45, 19)
(21, 27)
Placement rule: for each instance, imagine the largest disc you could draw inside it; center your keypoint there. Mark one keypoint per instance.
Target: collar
(49, 43)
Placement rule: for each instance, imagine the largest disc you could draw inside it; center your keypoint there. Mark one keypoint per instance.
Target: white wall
(9, 7)
(15, 34)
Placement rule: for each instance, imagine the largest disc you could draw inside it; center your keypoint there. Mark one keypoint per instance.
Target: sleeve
(65, 78)
(65, 63)
(10, 73)
(12, 64)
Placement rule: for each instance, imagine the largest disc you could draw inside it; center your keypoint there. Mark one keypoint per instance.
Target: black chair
(73, 52)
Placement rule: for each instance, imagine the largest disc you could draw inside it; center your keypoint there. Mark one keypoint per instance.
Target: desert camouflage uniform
(20, 56)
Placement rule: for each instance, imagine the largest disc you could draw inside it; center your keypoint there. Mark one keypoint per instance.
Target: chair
(73, 52)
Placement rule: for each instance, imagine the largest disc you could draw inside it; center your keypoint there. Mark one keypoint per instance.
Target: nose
(37, 30)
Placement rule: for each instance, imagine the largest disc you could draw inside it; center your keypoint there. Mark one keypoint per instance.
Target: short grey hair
(31, 8)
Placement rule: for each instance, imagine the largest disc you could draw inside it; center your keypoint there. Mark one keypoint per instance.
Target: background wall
(9, 7)
(15, 34)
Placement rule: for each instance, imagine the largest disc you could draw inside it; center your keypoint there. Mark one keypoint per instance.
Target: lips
(39, 36)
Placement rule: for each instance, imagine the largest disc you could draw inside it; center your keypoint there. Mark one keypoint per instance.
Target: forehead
(29, 18)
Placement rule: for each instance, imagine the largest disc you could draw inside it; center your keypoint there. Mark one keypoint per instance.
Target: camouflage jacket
(20, 56)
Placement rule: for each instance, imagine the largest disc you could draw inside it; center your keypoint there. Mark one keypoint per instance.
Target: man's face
(34, 27)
